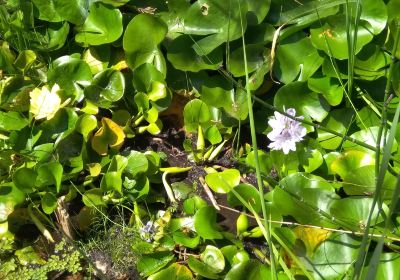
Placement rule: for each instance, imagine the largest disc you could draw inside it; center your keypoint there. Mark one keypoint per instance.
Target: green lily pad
(183, 57)
(296, 59)
(250, 269)
(102, 26)
(329, 87)
(10, 196)
(205, 223)
(213, 258)
(354, 211)
(151, 263)
(223, 182)
(368, 136)
(74, 11)
(256, 55)
(333, 33)
(249, 193)
(71, 74)
(191, 205)
(174, 271)
(137, 163)
(222, 23)
(93, 198)
(202, 269)
(308, 104)
(142, 37)
(107, 87)
(195, 113)
(338, 120)
(25, 179)
(85, 125)
(333, 258)
(304, 197)
(50, 174)
(49, 203)
(311, 159)
(12, 121)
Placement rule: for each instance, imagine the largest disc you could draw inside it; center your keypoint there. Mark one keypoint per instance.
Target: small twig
(209, 193)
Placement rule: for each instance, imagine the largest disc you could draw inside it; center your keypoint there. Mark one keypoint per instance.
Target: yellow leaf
(110, 135)
(311, 237)
(44, 103)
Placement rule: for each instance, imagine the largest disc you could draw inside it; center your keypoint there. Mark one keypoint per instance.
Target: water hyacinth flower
(286, 132)
(45, 103)
(147, 231)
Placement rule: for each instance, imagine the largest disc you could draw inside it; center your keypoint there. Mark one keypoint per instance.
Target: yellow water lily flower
(45, 103)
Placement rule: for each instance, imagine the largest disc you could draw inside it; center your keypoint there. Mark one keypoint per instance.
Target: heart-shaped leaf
(25, 179)
(50, 174)
(141, 39)
(183, 57)
(110, 135)
(195, 113)
(307, 103)
(107, 87)
(223, 182)
(49, 203)
(102, 26)
(71, 74)
(205, 223)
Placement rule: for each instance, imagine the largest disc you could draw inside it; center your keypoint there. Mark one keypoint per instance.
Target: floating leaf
(183, 57)
(137, 163)
(49, 203)
(109, 135)
(71, 74)
(174, 271)
(223, 182)
(248, 269)
(10, 196)
(151, 263)
(107, 87)
(305, 197)
(103, 25)
(354, 211)
(332, 37)
(202, 269)
(247, 192)
(307, 103)
(93, 198)
(12, 121)
(195, 113)
(50, 174)
(222, 23)
(141, 39)
(205, 223)
(25, 179)
(296, 59)
(256, 55)
(333, 258)
(85, 125)
(213, 258)
(329, 87)
(338, 120)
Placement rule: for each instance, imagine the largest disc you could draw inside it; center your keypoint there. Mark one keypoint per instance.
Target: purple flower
(285, 132)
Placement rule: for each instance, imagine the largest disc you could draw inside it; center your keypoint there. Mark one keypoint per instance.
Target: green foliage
(92, 93)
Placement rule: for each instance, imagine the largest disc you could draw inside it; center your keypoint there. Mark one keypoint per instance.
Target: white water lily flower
(285, 132)
(45, 103)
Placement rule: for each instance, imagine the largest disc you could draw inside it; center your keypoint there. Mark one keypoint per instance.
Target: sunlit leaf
(109, 135)
(103, 25)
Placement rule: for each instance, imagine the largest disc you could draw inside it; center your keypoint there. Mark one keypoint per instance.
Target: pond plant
(202, 139)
